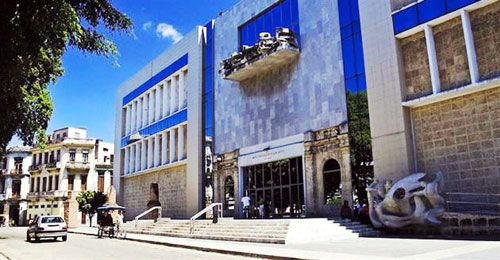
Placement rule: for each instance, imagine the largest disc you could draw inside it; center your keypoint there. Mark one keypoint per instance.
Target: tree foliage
(34, 34)
(360, 142)
(89, 201)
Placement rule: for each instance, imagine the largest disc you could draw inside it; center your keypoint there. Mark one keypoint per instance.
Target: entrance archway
(332, 183)
(229, 196)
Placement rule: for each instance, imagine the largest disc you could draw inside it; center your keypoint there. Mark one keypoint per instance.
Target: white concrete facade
(164, 147)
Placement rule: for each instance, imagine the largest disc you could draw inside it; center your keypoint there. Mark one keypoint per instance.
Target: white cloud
(165, 30)
(146, 26)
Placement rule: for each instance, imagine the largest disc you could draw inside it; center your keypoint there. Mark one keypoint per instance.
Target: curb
(204, 249)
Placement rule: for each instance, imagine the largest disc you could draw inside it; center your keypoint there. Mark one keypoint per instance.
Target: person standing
(246, 205)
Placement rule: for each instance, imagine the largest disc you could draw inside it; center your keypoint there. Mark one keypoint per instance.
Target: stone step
(225, 237)
(239, 232)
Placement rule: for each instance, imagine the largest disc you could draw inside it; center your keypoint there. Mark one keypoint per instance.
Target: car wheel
(28, 238)
(55, 238)
(37, 239)
(64, 238)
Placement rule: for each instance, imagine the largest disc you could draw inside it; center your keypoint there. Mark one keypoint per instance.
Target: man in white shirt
(246, 204)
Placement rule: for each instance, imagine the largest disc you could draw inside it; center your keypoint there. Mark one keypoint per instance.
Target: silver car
(47, 227)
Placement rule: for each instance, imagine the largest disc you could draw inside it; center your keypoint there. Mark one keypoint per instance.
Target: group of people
(360, 212)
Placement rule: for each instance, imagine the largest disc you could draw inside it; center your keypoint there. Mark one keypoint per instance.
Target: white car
(47, 227)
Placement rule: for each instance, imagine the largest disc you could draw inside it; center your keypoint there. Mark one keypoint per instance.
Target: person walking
(246, 205)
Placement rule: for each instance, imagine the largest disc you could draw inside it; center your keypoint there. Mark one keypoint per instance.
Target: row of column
(159, 102)
(38, 182)
(469, 46)
(159, 149)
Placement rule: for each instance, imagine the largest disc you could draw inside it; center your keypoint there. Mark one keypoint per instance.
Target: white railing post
(146, 212)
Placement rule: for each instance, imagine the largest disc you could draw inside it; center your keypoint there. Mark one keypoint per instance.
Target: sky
(85, 95)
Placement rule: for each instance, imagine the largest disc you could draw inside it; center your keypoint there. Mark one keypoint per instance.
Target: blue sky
(85, 95)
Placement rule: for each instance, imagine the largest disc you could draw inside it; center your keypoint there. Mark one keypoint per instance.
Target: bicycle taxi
(111, 221)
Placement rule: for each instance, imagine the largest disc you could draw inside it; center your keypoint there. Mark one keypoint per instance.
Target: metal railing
(205, 210)
(136, 219)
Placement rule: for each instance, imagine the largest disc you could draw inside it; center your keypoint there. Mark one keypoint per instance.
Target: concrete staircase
(362, 230)
(258, 231)
(273, 231)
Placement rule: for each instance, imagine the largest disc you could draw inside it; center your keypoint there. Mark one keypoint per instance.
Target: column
(132, 159)
(151, 116)
(180, 142)
(125, 162)
(137, 156)
(164, 152)
(143, 155)
(469, 46)
(433, 63)
(134, 115)
(158, 97)
(145, 111)
(127, 120)
(181, 91)
(150, 152)
(139, 113)
(157, 151)
(107, 180)
(173, 86)
(54, 184)
(165, 98)
(172, 144)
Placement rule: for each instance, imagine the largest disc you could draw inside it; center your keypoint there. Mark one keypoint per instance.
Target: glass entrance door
(279, 186)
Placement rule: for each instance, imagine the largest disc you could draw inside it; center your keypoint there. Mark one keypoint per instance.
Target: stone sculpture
(414, 199)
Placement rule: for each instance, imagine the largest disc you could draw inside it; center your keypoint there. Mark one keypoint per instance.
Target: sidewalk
(352, 248)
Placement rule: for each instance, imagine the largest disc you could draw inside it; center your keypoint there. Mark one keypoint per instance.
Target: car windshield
(52, 220)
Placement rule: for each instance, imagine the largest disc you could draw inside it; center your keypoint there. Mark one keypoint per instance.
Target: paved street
(13, 245)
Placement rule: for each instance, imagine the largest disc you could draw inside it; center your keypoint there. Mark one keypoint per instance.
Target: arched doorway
(332, 183)
(229, 196)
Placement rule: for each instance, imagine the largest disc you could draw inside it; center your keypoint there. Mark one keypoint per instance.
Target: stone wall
(227, 167)
(461, 138)
(485, 24)
(416, 66)
(321, 146)
(171, 189)
(451, 54)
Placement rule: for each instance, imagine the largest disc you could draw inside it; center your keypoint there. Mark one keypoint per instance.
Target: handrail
(205, 210)
(146, 212)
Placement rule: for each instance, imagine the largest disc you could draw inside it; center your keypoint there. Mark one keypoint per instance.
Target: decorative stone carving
(414, 199)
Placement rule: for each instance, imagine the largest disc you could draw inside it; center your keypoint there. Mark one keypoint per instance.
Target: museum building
(271, 123)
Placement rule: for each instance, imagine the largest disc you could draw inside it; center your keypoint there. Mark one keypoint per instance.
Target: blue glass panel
(356, 27)
(354, 10)
(208, 79)
(346, 31)
(277, 21)
(405, 19)
(344, 13)
(430, 9)
(175, 66)
(208, 132)
(208, 110)
(268, 23)
(259, 26)
(243, 35)
(351, 84)
(295, 11)
(452, 5)
(286, 13)
(348, 57)
(361, 82)
(358, 51)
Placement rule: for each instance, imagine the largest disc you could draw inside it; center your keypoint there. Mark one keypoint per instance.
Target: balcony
(53, 165)
(72, 165)
(18, 173)
(47, 194)
(268, 53)
(35, 168)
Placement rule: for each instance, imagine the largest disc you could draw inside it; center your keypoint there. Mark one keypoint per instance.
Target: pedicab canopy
(111, 201)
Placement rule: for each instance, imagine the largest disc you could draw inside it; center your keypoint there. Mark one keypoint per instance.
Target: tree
(34, 34)
(89, 201)
(360, 142)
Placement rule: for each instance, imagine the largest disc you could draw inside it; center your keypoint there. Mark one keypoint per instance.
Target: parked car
(47, 227)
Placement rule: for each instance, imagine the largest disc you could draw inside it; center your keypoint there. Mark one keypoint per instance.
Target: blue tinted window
(344, 13)
(430, 9)
(284, 14)
(452, 5)
(405, 19)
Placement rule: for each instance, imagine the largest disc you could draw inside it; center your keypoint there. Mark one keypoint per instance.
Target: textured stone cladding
(416, 66)
(306, 95)
(485, 24)
(451, 54)
(171, 189)
(461, 138)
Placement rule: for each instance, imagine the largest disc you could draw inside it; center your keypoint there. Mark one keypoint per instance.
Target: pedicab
(107, 226)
